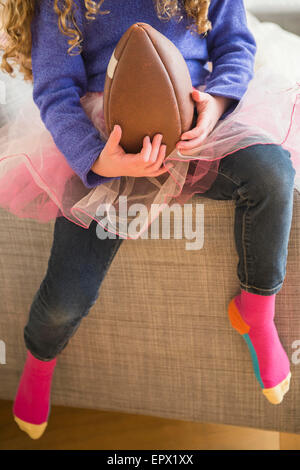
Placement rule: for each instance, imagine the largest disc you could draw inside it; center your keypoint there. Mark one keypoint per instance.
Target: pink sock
(258, 313)
(32, 402)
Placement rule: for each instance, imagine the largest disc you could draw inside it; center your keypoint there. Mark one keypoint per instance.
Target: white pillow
(13, 92)
(276, 47)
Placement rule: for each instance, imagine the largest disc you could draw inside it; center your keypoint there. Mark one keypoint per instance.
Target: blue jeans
(259, 179)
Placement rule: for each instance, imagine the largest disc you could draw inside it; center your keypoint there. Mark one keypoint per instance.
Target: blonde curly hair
(16, 17)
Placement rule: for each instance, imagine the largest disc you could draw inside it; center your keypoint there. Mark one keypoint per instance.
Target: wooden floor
(81, 429)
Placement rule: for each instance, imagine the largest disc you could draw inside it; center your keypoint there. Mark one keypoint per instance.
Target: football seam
(167, 75)
(110, 83)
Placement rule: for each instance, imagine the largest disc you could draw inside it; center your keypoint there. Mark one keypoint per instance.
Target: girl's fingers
(146, 150)
(159, 172)
(160, 158)
(151, 156)
(192, 143)
(157, 165)
(149, 151)
(192, 133)
(155, 148)
(203, 122)
(143, 156)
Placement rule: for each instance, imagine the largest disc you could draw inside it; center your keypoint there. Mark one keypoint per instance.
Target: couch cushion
(158, 341)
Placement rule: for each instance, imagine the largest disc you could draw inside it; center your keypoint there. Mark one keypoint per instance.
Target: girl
(58, 163)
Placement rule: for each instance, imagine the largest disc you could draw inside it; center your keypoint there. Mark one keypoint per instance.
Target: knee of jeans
(276, 176)
(68, 309)
(68, 314)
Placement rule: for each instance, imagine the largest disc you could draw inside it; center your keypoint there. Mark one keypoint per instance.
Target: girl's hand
(113, 161)
(210, 109)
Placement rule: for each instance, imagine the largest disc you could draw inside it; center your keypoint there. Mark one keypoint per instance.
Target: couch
(155, 343)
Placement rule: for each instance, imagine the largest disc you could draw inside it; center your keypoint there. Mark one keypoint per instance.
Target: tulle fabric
(37, 182)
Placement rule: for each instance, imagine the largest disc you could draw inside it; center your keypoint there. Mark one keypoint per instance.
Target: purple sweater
(60, 80)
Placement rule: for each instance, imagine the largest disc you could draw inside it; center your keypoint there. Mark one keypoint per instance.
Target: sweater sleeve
(231, 49)
(59, 81)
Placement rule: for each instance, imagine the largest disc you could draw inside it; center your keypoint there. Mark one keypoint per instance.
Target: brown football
(147, 89)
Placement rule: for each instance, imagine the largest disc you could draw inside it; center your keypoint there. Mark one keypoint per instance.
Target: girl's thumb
(117, 129)
(115, 135)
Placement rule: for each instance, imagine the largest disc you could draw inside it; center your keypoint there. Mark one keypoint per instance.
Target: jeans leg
(77, 266)
(260, 179)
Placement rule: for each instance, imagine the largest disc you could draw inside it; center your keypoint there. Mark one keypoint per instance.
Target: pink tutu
(37, 182)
